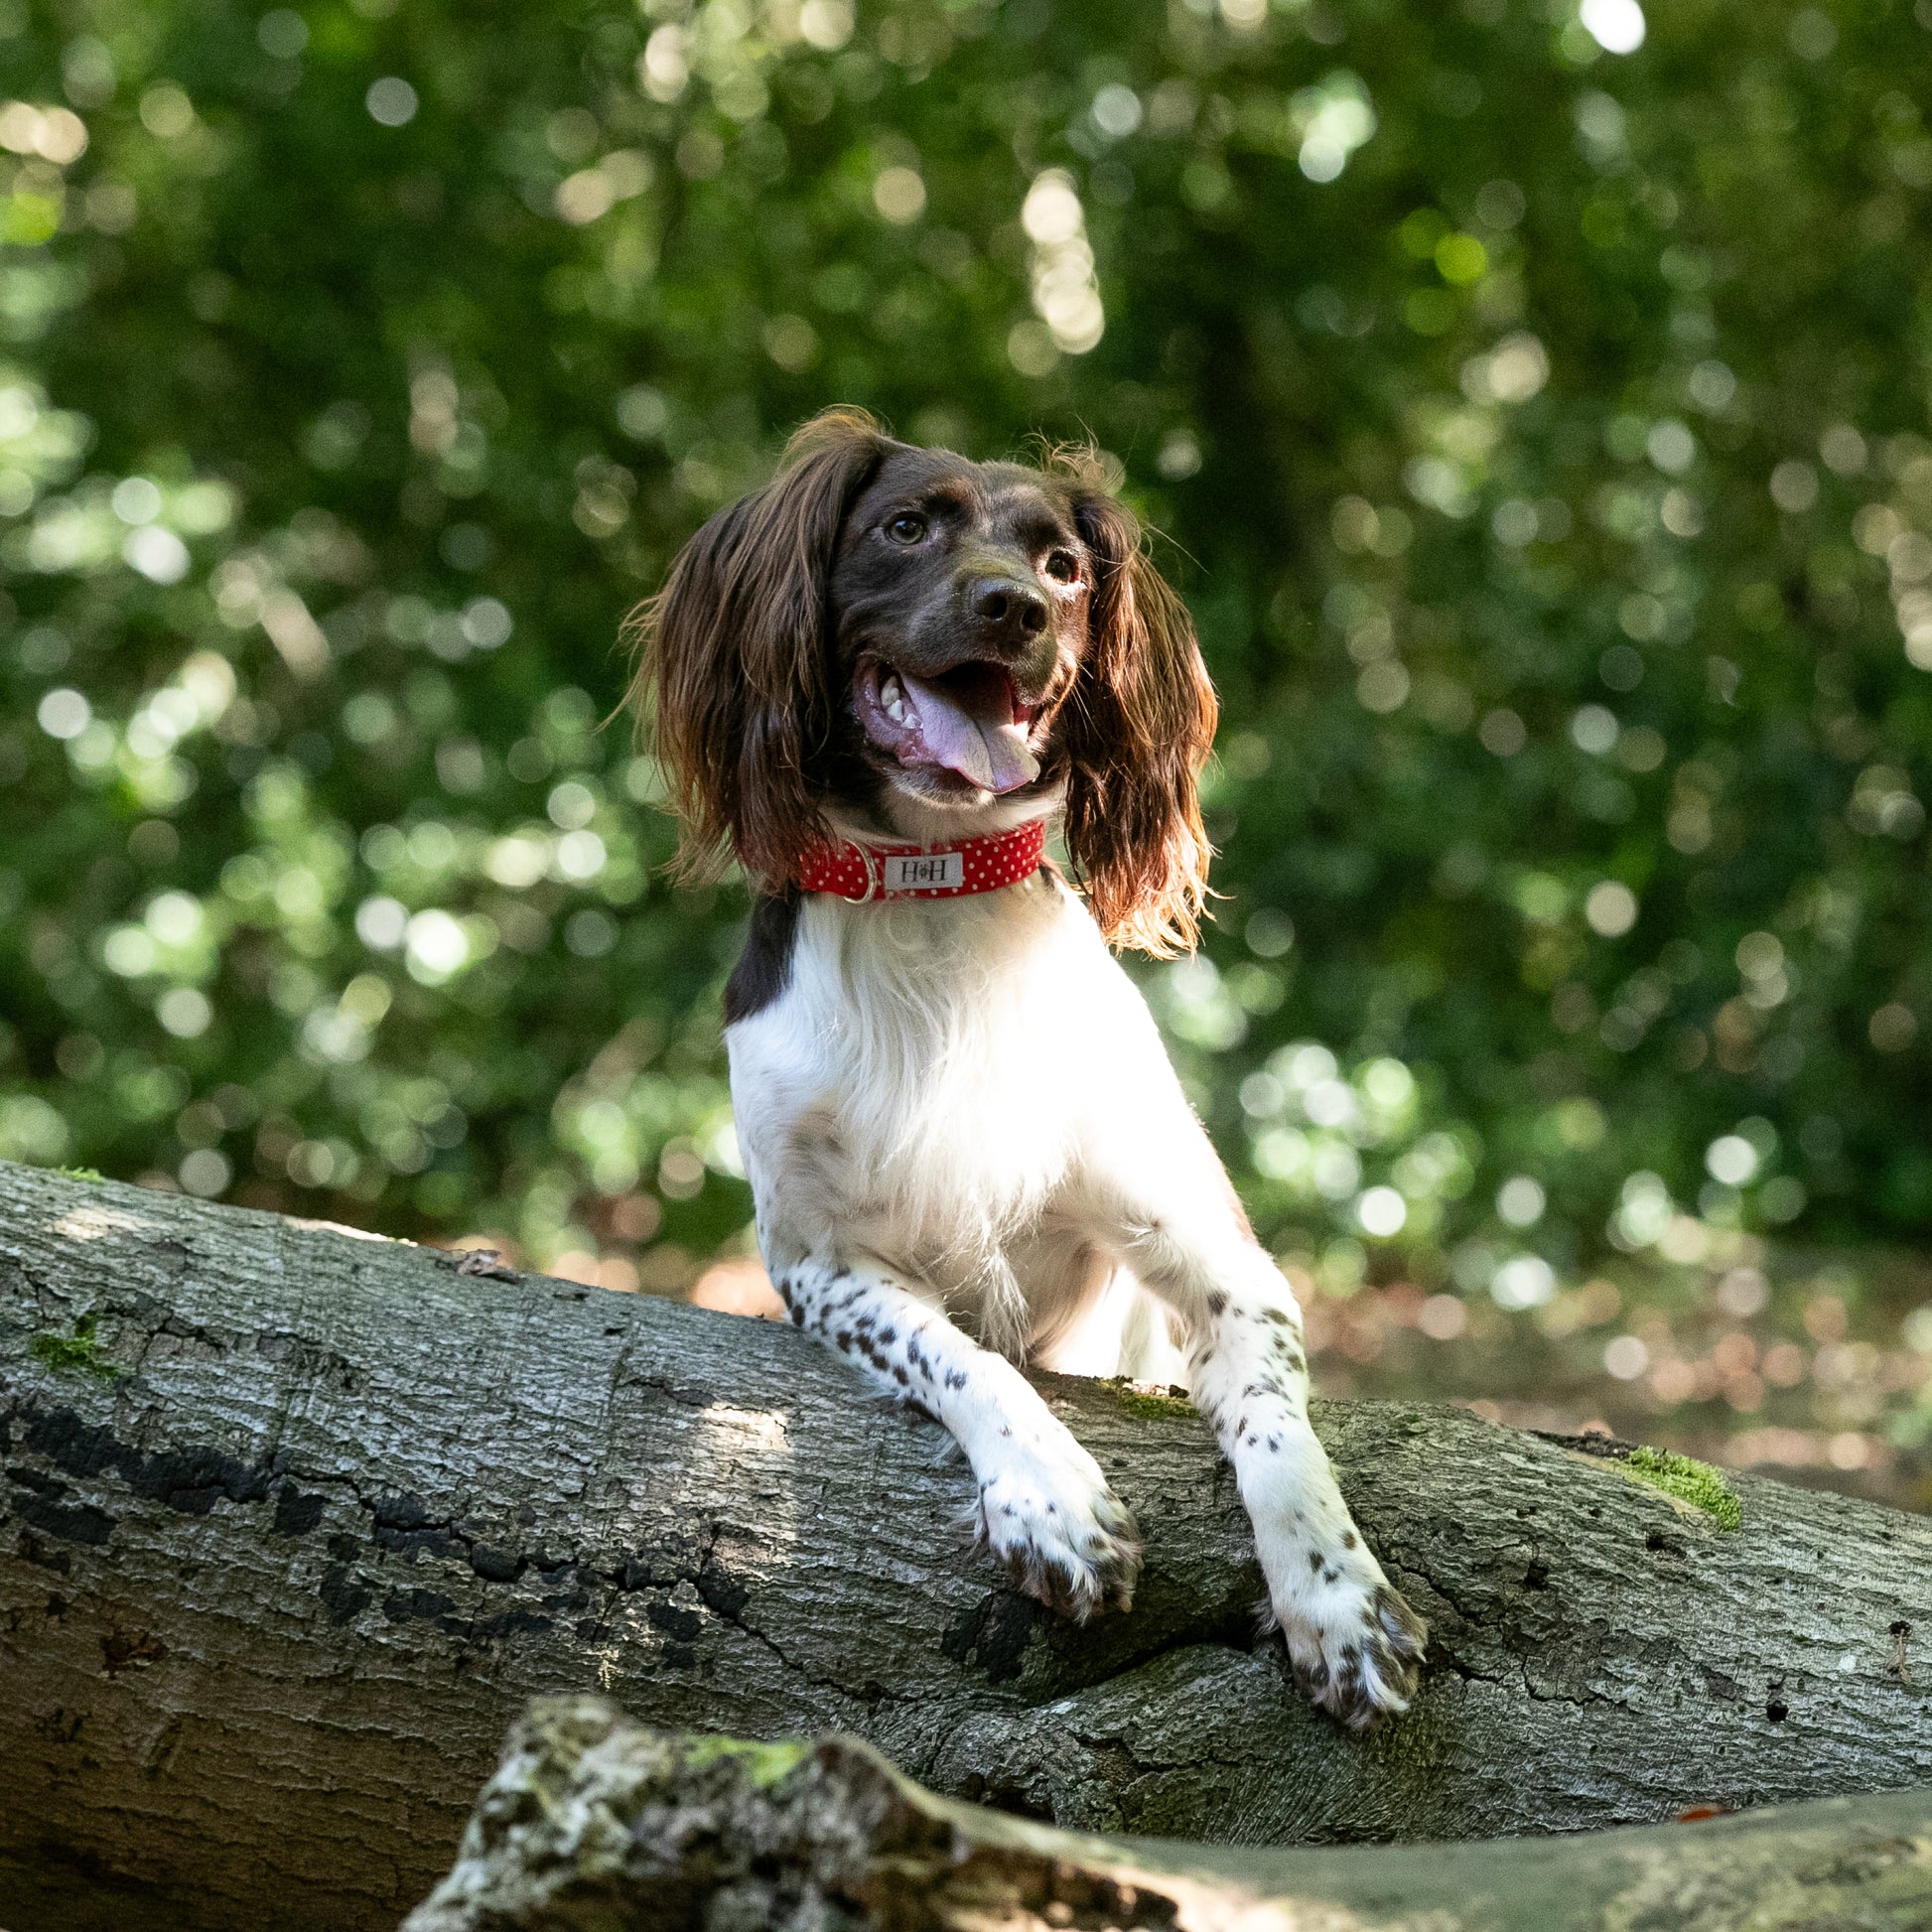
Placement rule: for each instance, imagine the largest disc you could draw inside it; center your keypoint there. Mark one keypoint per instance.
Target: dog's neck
(896, 819)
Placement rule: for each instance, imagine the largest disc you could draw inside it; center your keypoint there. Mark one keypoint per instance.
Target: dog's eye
(905, 528)
(1064, 566)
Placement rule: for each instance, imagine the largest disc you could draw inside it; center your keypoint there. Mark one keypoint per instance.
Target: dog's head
(934, 648)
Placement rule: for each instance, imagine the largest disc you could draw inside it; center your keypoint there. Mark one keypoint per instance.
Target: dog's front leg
(1042, 1510)
(1354, 1643)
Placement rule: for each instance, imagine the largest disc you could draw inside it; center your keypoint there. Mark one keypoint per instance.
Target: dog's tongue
(969, 726)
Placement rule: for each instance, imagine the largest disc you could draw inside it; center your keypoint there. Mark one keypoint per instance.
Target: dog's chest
(932, 1061)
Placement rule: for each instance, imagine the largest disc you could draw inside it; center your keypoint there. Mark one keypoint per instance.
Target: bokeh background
(1535, 404)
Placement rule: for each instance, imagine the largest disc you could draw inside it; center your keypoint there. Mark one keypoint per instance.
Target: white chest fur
(926, 1087)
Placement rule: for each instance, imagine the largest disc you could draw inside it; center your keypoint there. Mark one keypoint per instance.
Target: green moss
(764, 1764)
(1140, 1400)
(78, 1174)
(1690, 1481)
(79, 1352)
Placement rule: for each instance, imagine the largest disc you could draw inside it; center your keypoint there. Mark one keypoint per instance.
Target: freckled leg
(1044, 1509)
(1356, 1645)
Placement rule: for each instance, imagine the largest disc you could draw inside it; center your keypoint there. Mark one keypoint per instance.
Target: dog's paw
(1046, 1516)
(1355, 1646)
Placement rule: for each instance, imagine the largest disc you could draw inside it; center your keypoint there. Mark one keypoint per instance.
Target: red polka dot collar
(865, 872)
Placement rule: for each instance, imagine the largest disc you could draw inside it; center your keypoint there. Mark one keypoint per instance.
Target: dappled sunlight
(92, 1221)
(338, 1227)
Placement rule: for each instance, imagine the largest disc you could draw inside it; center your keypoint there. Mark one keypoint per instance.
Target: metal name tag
(919, 872)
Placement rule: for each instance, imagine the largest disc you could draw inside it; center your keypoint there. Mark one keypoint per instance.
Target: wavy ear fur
(734, 675)
(1139, 725)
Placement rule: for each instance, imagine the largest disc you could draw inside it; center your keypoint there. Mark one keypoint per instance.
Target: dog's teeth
(892, 698)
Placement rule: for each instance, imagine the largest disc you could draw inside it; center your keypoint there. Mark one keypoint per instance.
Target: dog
(874, 682)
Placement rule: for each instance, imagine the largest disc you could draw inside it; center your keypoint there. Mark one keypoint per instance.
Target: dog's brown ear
(733, 686)
(1139, 725)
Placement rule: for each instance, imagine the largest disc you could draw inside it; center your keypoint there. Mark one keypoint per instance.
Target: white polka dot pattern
(986, 865)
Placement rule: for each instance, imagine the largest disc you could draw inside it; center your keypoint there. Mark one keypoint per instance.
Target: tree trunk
(295, 1523)
(595, 1820)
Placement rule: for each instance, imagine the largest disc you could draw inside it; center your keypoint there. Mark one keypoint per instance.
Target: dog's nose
(1008, 613)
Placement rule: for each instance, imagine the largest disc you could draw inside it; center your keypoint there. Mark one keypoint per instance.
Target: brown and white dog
(875, 681)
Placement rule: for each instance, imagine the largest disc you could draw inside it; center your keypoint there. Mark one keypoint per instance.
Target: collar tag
(920, 872)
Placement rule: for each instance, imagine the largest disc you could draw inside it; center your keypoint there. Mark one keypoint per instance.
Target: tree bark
(295, 1523)
(593, 1819)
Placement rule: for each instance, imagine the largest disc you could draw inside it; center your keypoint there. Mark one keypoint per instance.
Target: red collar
(860, 872)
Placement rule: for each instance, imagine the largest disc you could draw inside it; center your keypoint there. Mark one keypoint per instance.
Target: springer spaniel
(875, 681)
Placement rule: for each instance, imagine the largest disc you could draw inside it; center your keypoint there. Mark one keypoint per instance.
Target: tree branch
(593, 1818)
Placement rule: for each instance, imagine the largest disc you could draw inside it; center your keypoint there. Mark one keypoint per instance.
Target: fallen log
(295, 1523)
(593, 1819)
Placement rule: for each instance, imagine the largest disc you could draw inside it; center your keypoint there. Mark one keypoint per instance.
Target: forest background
(1535, 407)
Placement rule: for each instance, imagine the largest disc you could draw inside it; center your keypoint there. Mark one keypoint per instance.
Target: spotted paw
(1355, 1646)
(1046, 1516)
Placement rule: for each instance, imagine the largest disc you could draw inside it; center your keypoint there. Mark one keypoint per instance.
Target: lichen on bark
(79, 1352)
(1690, 1481)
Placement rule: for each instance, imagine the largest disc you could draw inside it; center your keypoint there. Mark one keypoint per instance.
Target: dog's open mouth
(970, 721)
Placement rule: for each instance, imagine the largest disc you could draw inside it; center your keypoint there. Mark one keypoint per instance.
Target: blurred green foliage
(1541, 435)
